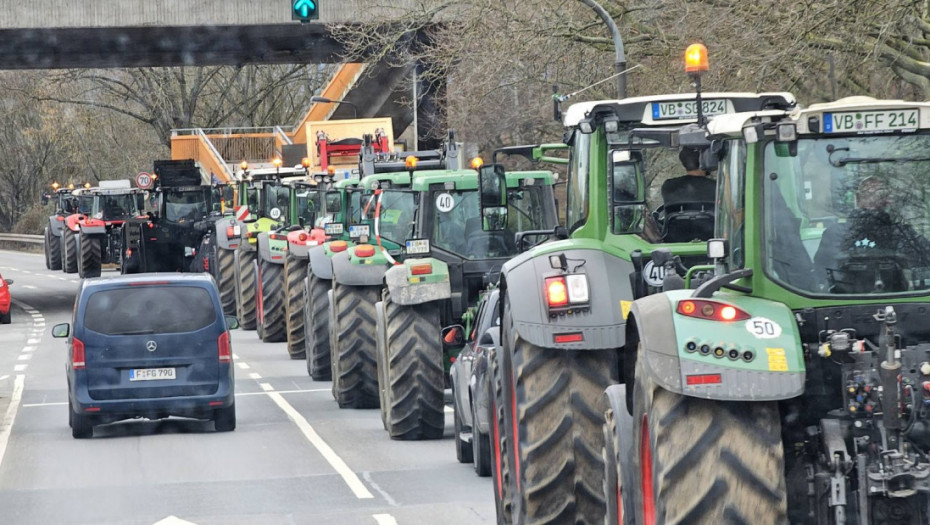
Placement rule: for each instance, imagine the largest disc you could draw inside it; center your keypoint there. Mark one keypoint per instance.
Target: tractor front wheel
(52, 251)
(245, 289)
(316, 328)
(355, 383)
(90, 261)
(226, 279)
(295, 272)
(69, 255)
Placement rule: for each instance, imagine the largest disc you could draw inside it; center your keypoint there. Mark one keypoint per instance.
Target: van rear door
(151, 340)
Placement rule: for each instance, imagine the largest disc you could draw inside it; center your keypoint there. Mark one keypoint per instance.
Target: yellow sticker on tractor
(625, 308)
(778, 362)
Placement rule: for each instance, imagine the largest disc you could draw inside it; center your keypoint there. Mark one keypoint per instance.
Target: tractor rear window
(149, 310)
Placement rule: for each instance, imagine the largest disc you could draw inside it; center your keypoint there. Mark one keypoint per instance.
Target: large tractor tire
(618, 458)
(316, 328)
(274, 328)
(245, 289)
(414, 375)
(52, 251)
(295, 272)
(705, 462)
(90, 261)
(69, 254)
(226, 279)
(355, 380)
(501, 438)
(556, 405)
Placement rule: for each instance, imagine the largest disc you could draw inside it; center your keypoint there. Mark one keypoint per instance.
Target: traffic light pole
(620, 60)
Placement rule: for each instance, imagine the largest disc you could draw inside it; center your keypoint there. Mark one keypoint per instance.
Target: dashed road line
(244, 366)
(255, 375)
(384, 519)
(6, 424)
(20, 368)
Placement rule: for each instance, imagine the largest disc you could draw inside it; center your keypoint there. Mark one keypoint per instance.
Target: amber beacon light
(696, 59)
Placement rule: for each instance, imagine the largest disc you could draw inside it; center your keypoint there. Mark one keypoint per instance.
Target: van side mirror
(61, 330)
(453, 336)
(231, 322)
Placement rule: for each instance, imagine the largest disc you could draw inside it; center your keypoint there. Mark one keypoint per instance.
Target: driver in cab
(688, 202)
(872, 229)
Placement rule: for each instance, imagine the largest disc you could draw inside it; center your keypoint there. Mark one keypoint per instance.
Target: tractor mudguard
(266, 252)
(344, 272)
(407, 289)
(757, 357)
(55, 227)
(602, 324)
(224, 241)
(320, 264)
(300, 242)
(93, 230)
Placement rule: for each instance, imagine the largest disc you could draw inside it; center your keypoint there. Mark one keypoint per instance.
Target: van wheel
(224, 419)
(82, 427)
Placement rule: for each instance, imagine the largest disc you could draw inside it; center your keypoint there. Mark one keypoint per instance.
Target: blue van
(152, 346)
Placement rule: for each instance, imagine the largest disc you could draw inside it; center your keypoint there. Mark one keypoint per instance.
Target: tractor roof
(649, 110)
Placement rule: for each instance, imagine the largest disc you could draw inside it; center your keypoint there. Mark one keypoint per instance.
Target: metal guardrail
(20, 237)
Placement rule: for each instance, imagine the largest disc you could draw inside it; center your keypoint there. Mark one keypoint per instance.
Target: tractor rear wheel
(69, 255)
(295, 271)
(316, 328)
(414, 375)
(355, 383)
(703, 461)
(245, 289)
(52, 251)
(273, 328)
(89, 264)
(556, 401)
(226, 279)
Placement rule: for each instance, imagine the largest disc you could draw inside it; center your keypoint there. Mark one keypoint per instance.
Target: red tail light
(77, 354)
(230, 232)
(364, 250)
(338, 246)
(421, 269)
(128, 252)
(556, 291)
(225, 350)
(711, 310)
(576, 337)
(303, 237)
(704, 379)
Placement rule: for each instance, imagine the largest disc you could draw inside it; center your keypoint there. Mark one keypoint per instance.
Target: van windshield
(149, 310)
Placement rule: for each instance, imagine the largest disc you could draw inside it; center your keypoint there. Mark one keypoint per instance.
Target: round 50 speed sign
(144, 180)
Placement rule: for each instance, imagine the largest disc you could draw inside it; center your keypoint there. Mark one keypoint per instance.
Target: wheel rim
(645, 454)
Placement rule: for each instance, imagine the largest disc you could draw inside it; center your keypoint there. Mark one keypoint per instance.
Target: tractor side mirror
(492, 187)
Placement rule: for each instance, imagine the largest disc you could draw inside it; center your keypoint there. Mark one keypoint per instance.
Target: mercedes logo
(151, 346)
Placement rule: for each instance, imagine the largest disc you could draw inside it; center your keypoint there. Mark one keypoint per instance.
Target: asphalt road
(295, 457)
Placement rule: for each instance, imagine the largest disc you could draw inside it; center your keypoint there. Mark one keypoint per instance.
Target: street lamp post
(620, 60)
(324, 100)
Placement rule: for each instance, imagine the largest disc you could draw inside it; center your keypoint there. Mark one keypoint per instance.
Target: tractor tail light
(364, 250)
(556, 292)
(710, 310)
(338, 246)
(230, 231)
(77, 354)
(421, 269)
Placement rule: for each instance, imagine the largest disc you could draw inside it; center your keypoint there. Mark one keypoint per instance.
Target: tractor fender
(344, 272)
(265, 253)
(223, 240)
(93, 229)
(775, 370)
(71, 222)
(602, 324)
(320, 264)
(405, 291)
(299, 242)
(56, 225)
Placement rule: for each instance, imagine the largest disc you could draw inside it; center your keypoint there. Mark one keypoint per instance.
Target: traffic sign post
(305, 10)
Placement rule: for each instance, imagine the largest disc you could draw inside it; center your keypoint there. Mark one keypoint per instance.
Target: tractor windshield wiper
(839, 163)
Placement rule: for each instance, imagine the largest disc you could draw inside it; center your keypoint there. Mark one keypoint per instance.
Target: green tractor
(564, 303)
(794, 384)
(452, 253)
(257, 197)
(352, 273)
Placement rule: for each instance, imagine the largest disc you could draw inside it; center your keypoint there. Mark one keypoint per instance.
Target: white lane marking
(20, 368)
(6, 425)
(33, 341)
(244, 366)
(384, 519)
(29, 349)
(62, 279)
(40, 324)
(350, 478)
(448, 410)
(238, 394)
(266, 387)
(235, 355)
(29, 286)
(26, 271)
(255, 375)
(387, 497)
(24, 357)
(4, 377)
(173, 520)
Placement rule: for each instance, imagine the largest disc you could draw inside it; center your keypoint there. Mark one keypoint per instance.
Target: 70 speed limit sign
(144, 180)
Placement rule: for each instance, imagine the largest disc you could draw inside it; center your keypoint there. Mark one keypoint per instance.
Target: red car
(5, 316)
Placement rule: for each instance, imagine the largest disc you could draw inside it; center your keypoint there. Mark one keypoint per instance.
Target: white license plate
(687, 109)
(871, 121)
(417, 246)
(332, 228)
(359, 230)
(152, 374)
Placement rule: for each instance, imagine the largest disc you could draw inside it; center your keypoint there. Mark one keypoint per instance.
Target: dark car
(470, 390)
(149, 346)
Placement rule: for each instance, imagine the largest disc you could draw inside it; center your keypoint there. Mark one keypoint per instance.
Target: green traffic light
(305, 10)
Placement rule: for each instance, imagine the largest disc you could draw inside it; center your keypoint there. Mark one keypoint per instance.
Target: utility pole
(620, 60)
